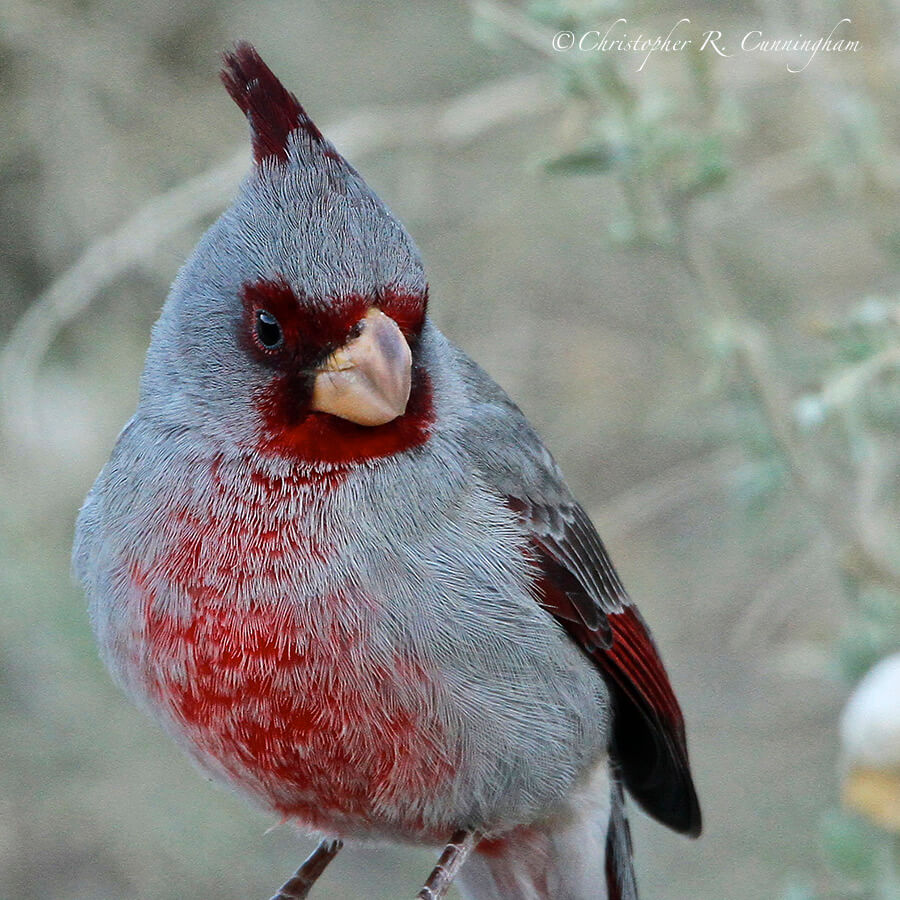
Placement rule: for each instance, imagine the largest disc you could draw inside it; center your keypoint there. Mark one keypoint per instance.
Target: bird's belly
(310, 720)
(277, 655)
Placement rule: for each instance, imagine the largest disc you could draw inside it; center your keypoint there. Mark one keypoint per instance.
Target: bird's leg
(455, 854)
(298, 886)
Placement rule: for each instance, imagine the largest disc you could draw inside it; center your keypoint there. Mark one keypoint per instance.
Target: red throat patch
(323, 438)
(312, 328)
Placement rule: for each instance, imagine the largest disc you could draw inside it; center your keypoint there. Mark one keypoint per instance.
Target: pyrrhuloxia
(332, 558)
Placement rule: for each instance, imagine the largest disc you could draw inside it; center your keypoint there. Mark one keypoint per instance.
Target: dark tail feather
(620, 880)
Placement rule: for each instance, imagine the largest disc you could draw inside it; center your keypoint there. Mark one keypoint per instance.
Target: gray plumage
(410, 626)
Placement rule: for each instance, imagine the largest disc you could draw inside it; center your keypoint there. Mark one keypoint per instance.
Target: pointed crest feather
(271, 109)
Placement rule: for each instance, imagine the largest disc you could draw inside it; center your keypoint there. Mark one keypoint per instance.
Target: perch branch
(455, 854)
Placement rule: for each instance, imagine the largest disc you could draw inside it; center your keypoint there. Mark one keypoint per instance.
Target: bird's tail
(583, 856)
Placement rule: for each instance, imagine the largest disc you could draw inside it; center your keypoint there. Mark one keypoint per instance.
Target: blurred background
(687, 276)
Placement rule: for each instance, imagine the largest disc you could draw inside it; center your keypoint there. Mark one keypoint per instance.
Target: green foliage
(829, 439)
(855, 150)
(848, 847)
(859, 860)
(869, 326)
(799, 889)
(586, 160)
(872, 633)
(665, 146)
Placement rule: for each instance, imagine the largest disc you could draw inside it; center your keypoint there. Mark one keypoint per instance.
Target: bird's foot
(298, 886)
(455, 854)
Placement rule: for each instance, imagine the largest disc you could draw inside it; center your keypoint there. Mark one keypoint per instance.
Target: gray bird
(334, 561)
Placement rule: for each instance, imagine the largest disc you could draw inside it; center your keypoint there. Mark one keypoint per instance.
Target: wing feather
(578, 585)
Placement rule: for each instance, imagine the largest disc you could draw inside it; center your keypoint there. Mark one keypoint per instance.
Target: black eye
(268, 330)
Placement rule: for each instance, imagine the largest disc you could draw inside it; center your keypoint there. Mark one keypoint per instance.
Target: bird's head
(295, 325)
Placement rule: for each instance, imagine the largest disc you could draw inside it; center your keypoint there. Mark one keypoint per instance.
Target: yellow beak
(367, 380)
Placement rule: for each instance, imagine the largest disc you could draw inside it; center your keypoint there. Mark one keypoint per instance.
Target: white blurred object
(870, 734)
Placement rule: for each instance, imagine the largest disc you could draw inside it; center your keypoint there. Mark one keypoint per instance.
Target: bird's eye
(268, 330)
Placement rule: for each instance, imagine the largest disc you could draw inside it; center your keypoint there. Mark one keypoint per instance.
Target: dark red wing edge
(648, 740)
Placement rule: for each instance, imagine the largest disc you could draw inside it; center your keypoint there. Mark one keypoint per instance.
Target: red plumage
(272, 110)
(285, 708)
(318, 437)
(356, 641)
(648, 733)
(312, 328)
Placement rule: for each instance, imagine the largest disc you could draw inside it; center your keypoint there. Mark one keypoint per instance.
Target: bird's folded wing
(577, 584)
